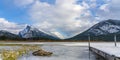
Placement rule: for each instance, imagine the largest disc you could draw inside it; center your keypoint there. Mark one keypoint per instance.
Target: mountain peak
(32, 32)
(111, 21)
(28, 27)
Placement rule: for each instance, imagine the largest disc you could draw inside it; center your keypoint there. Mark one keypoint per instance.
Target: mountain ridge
(7, 35)
(104, 29)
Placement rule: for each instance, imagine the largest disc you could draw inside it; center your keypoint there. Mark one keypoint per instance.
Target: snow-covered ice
(108, 48)
(63, 53)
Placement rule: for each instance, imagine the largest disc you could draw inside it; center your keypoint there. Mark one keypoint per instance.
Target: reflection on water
(60, 53)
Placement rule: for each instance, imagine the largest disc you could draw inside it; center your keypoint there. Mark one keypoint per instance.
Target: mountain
(104, 30)
(4, 35)
(33, 33)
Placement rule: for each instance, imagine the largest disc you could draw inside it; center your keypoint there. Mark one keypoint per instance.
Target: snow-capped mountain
(104, 28)
(7, 35)
(31, 32)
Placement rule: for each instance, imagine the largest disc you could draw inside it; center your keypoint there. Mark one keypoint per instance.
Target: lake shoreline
(28, 40)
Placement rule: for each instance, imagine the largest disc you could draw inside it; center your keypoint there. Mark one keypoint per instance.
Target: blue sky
(13, 13)
(16, 14)
(64, 18)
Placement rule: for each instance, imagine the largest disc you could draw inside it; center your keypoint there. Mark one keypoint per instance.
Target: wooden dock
(104, 54)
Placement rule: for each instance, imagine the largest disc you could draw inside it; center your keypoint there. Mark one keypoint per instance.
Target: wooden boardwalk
(105, 55)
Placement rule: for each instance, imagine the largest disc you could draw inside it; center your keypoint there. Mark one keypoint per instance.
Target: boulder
(42, 53)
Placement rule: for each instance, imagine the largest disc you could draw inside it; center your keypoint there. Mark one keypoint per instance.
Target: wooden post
(89, 44)
(89, 41)
(115, 40)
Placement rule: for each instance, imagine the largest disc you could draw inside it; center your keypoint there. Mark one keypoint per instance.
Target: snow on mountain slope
(31, 32)
(102, 30)
(104, 27)
(110, 28)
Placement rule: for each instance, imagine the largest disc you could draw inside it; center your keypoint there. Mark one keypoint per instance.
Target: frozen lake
(61, 51)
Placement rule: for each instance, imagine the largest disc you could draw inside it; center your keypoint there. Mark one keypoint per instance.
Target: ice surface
(63, 53)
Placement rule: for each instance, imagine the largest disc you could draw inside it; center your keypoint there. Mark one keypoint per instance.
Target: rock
(42, 53)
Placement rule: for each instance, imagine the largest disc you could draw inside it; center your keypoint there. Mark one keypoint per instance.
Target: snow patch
(110, 28)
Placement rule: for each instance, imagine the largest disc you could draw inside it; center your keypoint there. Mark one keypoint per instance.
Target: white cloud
(104, 7)
(65, 15)
(85, 4)
(110, 10)
(23, 3)
(10, 26)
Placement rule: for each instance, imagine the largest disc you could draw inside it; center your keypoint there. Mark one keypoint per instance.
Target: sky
(63, 18)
